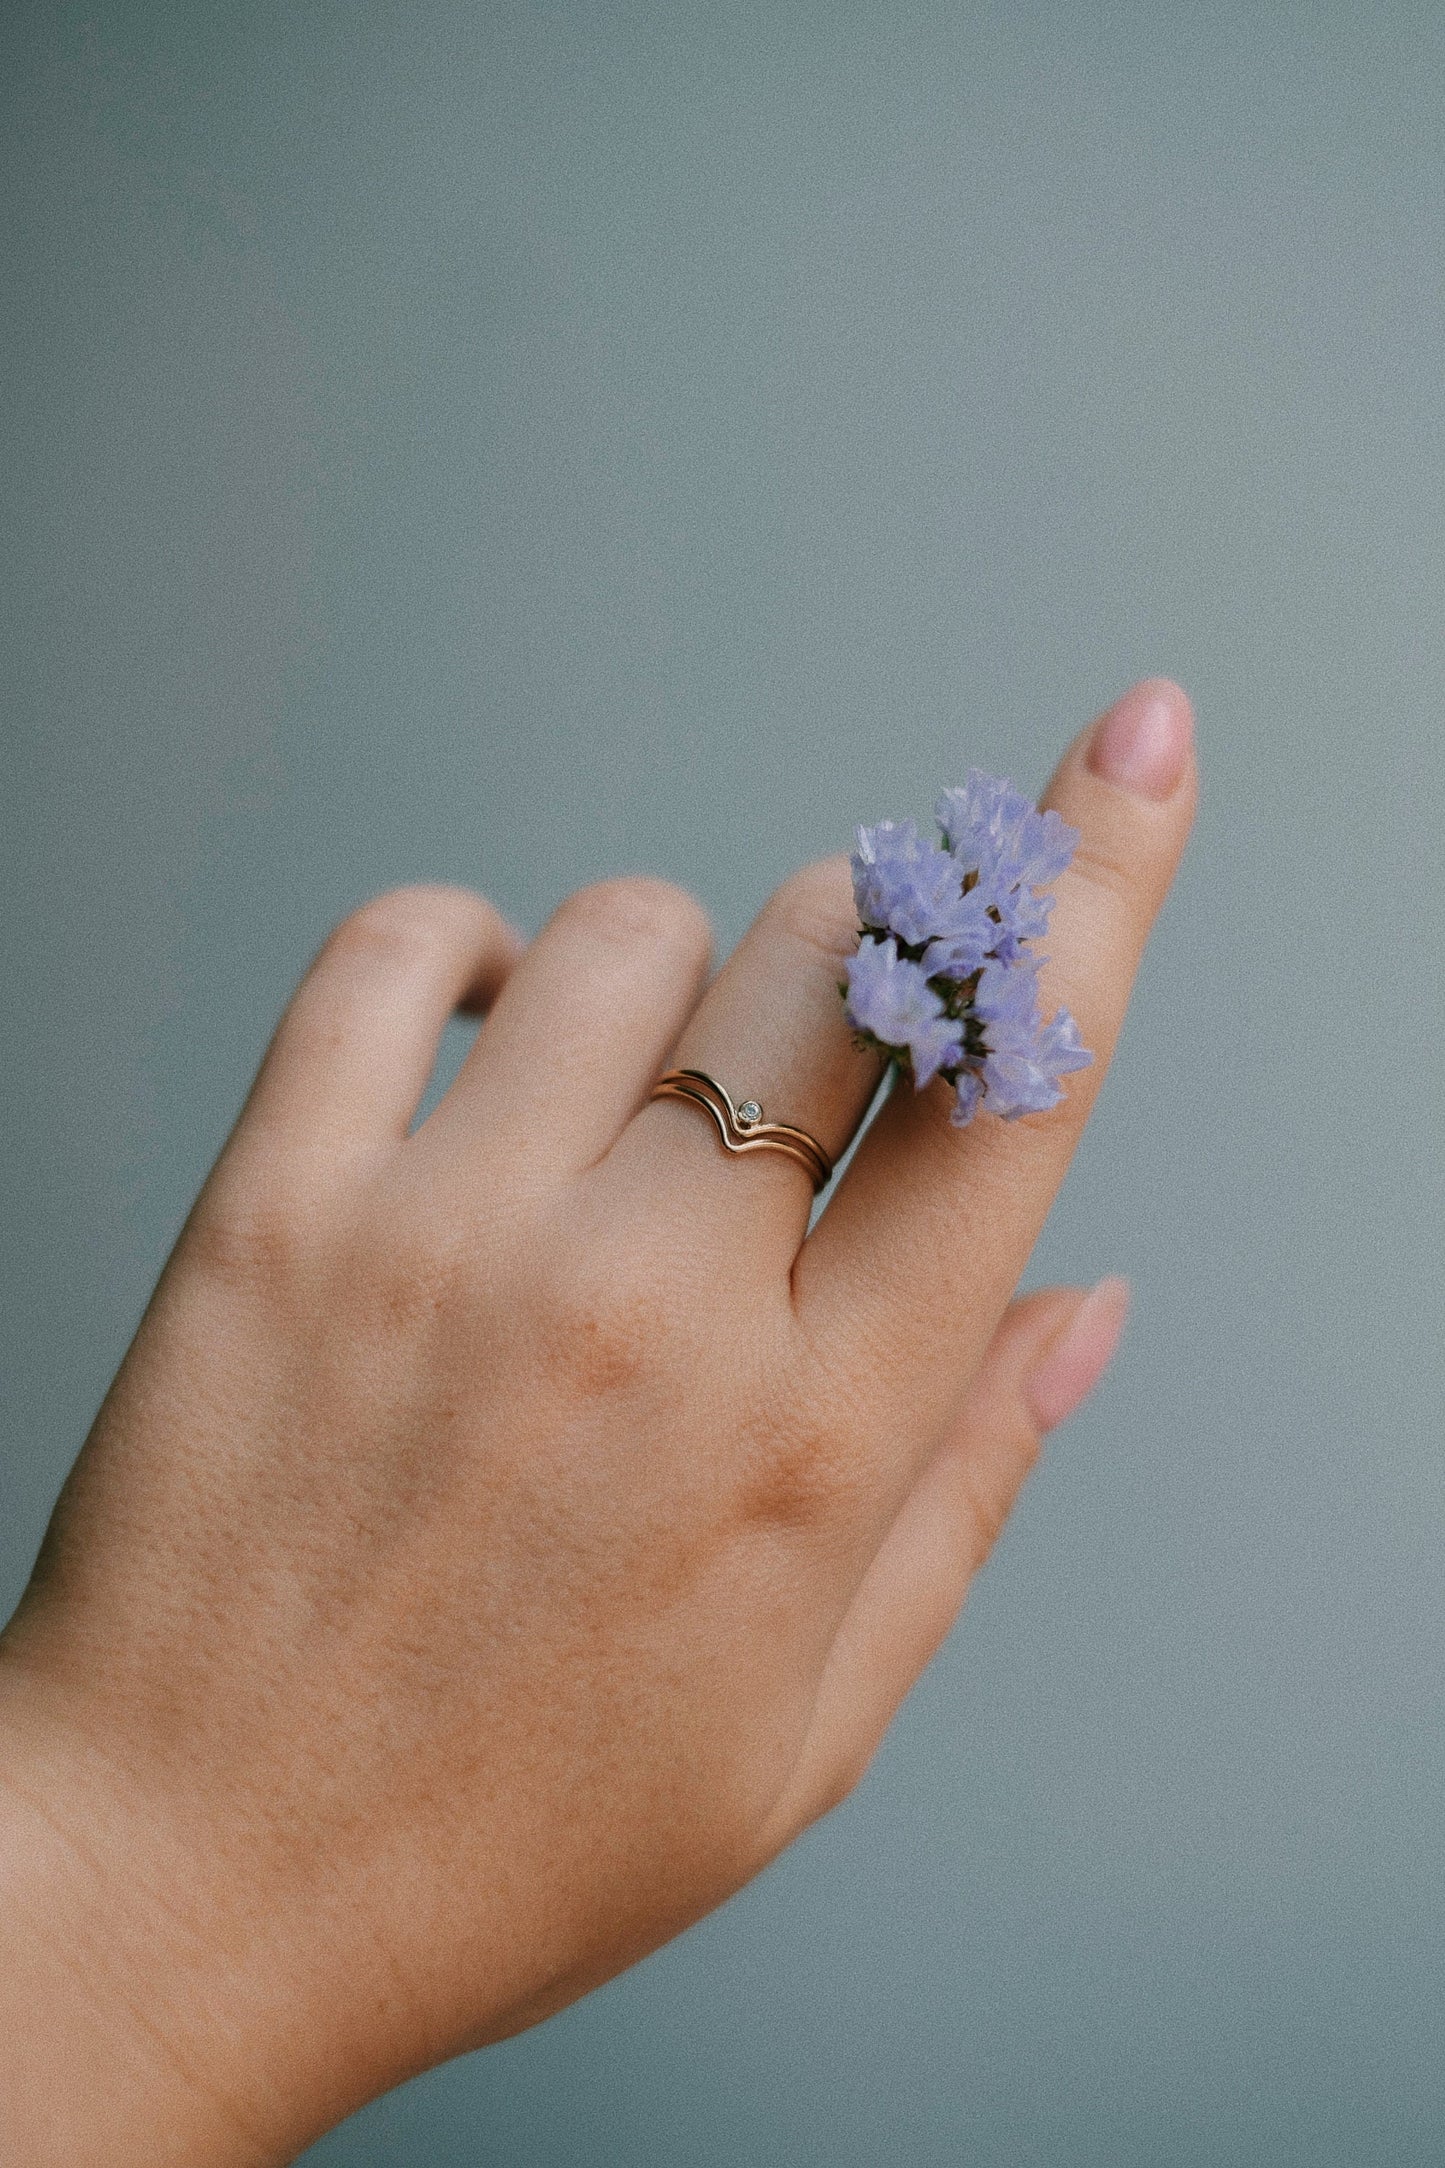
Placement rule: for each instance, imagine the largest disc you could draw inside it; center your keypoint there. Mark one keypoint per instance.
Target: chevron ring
(741, 1127)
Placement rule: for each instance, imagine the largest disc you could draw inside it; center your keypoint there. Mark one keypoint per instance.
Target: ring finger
(771, 1028)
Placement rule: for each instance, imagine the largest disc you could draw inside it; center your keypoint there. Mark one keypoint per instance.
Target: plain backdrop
(514, 443)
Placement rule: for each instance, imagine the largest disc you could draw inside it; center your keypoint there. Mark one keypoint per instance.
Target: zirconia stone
(748, 1113)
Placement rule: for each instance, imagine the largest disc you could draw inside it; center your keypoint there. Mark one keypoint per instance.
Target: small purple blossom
(945, 978)
(1016, 1058)
(1023, 916)
(994, 831)
(889, 998)
(906, 886)
(968, 1097)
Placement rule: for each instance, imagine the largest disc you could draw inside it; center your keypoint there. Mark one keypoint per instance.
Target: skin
(503, 1538)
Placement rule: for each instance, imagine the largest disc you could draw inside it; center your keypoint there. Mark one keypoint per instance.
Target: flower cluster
(944, 981)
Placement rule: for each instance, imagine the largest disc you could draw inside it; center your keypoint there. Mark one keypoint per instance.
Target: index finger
(906, 1274)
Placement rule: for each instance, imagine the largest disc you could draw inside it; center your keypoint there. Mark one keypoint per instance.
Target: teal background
(514, 443)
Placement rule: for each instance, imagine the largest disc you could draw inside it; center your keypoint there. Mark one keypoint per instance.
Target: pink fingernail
(1072, 1365)
(1143, 742)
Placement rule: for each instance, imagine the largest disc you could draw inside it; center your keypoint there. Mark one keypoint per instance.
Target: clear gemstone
(748, 1113)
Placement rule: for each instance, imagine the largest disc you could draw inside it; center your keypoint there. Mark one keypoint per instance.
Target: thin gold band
(741, 1127)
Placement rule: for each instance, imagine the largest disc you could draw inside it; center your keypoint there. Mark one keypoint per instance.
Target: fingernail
(1142, 743)
(1072, 1365)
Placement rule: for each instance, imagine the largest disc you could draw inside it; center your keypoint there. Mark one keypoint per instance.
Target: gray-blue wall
(511, 443)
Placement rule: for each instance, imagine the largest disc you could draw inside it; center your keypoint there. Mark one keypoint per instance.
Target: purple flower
(945, 979)
(907, 886)
(957, 955)
(890, 999)
(1022, 917)
(993, 830)
(968, 1097)
(1015, 1058)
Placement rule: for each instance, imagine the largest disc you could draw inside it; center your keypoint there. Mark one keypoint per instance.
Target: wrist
(112, 2003)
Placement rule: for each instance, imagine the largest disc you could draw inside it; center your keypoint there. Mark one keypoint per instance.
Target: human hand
(502, 1539)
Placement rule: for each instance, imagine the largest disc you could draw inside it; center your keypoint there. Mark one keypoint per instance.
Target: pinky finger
(1049, 1352)
(351, 1056)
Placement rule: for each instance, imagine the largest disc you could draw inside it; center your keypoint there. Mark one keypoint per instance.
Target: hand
(501, 1539)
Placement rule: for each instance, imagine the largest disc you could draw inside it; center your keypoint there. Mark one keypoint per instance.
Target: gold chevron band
(741, 1127)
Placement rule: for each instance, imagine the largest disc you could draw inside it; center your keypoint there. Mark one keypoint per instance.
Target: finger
(931, 1227)
(771, 1027)
(352, 1054)
(580, 1031)
(1048, 1354)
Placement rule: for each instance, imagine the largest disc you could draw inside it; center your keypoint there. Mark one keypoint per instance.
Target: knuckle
(246, 1237)
(608, 1328)
(421, 1273)
(804, 1474)
(814, 907)
(634, 910)
(1109, 874)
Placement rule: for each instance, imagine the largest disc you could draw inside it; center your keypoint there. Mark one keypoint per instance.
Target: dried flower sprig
(945, 981)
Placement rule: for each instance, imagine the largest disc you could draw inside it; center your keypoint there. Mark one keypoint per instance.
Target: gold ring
(742, 1127)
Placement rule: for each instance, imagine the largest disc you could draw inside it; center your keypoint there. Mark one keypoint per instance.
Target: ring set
(742, 1127)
